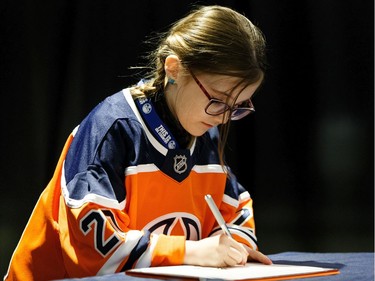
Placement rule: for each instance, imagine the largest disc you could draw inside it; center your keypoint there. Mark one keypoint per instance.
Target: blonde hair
(210, 39)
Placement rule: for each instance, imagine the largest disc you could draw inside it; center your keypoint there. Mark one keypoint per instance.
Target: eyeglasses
(216, 107)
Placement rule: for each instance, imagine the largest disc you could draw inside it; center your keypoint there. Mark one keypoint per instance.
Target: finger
(238, 246)
(238, 257)
(230, 260)
(241, 249)
(259, 257)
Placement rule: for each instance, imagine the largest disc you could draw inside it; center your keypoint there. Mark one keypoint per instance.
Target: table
(353, 267)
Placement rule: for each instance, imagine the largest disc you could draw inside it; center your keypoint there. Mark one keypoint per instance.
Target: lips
(208, 125)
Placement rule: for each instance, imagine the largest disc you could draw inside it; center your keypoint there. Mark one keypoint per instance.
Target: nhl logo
(180, 164)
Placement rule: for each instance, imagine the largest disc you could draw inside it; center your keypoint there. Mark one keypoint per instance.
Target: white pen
(215, 211)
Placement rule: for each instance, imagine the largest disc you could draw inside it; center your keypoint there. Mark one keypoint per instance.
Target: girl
(128, 190)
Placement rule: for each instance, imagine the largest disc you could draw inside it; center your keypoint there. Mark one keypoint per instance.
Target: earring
(171, 81)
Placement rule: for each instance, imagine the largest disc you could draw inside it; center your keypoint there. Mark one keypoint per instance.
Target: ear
(172, 66)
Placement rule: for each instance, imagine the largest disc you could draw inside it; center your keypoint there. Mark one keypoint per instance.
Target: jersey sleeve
(97, 241)
(237, 209)
(93, 227)
(236, 206)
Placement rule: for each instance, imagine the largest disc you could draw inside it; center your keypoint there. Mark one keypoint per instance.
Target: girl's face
(187, 101)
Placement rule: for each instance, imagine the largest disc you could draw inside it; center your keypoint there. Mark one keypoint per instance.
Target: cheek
(189, 106)
(187, 113)
(191, 115)
(195, 110)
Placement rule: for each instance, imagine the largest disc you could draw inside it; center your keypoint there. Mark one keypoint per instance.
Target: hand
(217, 251)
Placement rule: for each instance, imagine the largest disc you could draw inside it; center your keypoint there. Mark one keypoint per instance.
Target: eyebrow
(226, 93)
(221, 93)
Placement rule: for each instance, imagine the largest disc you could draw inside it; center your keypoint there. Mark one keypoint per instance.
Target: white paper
(246, 272)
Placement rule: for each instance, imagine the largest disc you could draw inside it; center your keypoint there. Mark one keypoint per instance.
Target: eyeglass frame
(232, 109)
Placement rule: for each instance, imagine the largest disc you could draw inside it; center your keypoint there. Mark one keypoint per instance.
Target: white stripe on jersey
(230, 201)
(144, 168)
(145, 259)
(94, 198)
(210, 168)
(124, 250)
(248, 232)
(151, 138)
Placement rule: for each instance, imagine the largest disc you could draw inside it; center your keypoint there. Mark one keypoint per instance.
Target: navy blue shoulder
(96, 157)
(92, 131)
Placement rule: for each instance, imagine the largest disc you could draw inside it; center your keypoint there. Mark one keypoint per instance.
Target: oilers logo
(166, 224)
(172, 144)
(146, 108)
(180, 164)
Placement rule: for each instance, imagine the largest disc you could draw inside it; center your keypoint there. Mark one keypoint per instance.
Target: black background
(306, 156)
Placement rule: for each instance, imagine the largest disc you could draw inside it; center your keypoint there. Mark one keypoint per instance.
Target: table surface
(353, 267)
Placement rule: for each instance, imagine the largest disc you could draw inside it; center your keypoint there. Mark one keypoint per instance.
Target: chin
(198, 130)
(198, 133)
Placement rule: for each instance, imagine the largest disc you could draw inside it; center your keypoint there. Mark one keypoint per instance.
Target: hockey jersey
(124, 195)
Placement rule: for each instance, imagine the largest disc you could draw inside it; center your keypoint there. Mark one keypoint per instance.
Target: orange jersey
(120, 198)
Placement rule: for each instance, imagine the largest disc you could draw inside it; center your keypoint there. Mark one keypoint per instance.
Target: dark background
(306, 156)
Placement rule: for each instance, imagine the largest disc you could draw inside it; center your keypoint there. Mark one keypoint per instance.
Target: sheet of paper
(250, 271)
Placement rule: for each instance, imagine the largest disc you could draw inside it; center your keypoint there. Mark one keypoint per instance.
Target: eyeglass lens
(217, 107)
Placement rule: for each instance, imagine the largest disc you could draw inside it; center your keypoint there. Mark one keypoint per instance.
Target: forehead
(228, 85)
(217, 79)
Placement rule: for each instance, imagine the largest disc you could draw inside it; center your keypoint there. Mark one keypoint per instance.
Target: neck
(170, 95)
